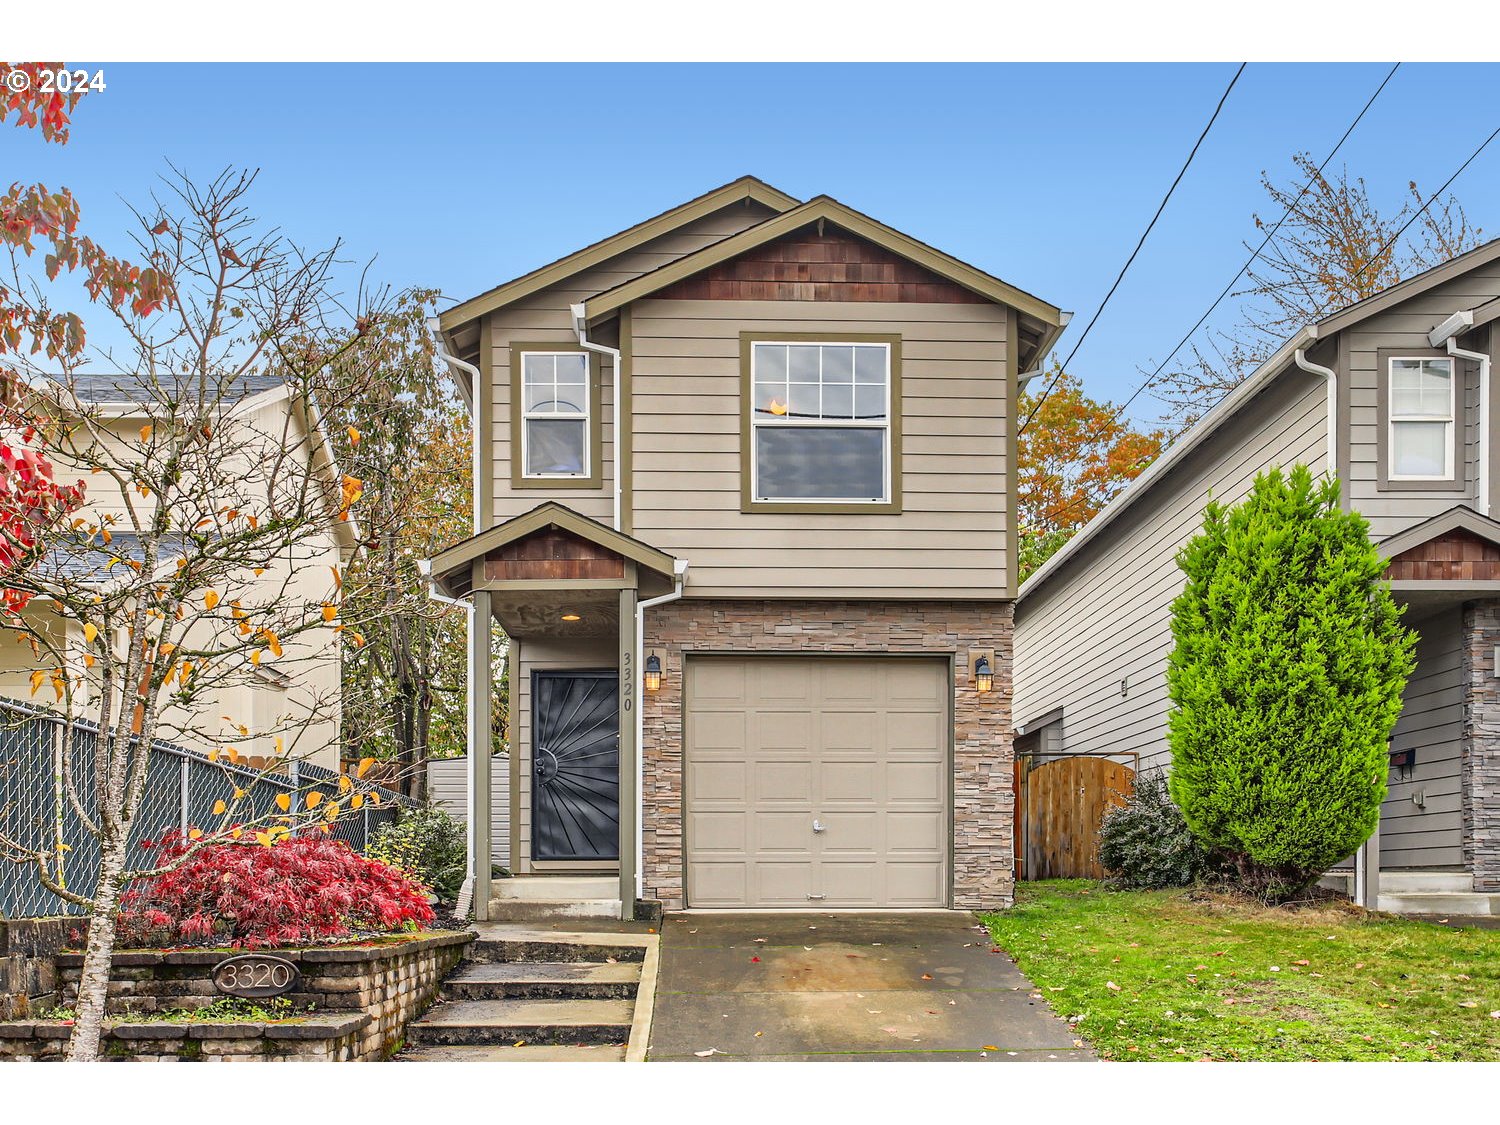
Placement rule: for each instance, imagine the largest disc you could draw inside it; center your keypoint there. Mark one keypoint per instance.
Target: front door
(575, 790)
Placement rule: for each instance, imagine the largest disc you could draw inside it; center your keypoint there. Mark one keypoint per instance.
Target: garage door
(817, 782)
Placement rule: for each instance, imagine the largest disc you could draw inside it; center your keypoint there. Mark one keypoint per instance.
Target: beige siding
(448, 789)
(1431, 723)
(1104, 618)
(950, 540)
(546, 316)
(1406, 326)
(541, 655)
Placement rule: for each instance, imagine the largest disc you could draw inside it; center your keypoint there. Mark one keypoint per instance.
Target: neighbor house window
(555, 414)
(1421, 413)
(821, 422)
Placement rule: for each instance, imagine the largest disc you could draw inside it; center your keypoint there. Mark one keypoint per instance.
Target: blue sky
(462, 176)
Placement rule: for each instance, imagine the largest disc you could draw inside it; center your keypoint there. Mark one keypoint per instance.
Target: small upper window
(1421, 412)
(555, 414)
(821, 422)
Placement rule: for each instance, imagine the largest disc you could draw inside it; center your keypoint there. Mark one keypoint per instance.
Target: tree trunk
(421, 723)
(98, 955)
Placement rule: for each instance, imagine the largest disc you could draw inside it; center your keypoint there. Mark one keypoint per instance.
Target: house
(1393, 396)
(744, 510)
(300, 694)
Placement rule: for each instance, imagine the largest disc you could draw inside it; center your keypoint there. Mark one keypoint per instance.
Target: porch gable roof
(1455, 519)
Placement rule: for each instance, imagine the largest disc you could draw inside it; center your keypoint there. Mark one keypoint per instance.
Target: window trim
(748, 474)
(593, 425)
(1455, 478)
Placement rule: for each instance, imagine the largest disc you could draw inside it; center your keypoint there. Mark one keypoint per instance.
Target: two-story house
(1394, 396)
(744, 511)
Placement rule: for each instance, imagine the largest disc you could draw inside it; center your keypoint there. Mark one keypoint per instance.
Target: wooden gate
(1064, 802)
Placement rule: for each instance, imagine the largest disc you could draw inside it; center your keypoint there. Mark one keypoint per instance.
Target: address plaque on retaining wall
(255, 976)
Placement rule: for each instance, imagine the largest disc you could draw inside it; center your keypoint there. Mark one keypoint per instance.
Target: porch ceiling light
(653, 672)
(984, 675)
(571, 617)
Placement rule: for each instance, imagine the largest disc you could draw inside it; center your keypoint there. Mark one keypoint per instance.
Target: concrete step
(540, 910)
(528, 1022)
(1440, 903)
(555, 888)
(518, 943)
(601, 1052)
(576, 980)
(1405, 882)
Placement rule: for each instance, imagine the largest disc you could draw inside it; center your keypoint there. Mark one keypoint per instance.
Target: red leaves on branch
(30, 503)
(300, 889)
(35, 103)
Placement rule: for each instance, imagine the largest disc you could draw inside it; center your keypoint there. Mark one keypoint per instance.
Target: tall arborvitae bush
(1285, 682)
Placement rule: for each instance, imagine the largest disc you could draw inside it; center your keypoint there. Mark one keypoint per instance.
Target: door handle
(819, 826)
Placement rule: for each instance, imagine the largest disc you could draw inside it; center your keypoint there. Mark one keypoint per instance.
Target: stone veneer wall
(1481, 745)
(364, 996)
(983, 756)
(28, 968)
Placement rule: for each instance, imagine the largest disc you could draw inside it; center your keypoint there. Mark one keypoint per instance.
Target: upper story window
(1421, 414)
(555, 418)
(821, 422)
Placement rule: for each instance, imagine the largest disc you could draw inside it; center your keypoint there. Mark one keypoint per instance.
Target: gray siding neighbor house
(744, 511)
(1393, 395)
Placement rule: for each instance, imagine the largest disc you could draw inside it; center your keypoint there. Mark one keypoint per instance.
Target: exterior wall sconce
(982, 668)
(653, 673)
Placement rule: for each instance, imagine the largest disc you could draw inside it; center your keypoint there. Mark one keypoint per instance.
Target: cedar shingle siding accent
(553, 555)
(983, 757)
(1457, 555)
(833, 266)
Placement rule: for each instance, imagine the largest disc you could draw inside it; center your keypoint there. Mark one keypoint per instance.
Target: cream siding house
(745, 515)
(299, 693)
(1393, 395)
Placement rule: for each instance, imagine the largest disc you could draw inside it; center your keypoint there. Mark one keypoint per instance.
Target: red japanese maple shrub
(301, 889)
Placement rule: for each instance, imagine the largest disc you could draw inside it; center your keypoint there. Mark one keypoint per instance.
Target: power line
(1263, 244)
(1144, 235)
(1251, 261)
(1420, 211)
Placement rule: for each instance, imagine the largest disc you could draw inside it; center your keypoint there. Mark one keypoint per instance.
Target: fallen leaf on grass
(755, 960)
(926, 976)
(761, 940)
(1468, 1003)
(1301, 962)
(1112, 986)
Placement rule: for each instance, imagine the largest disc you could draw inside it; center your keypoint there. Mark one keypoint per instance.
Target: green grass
(1196, 975)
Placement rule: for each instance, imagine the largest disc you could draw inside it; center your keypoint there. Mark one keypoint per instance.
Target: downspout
(1331, 378)
(424, 566)
(1482, 493)
(581, 330)
(680, 574)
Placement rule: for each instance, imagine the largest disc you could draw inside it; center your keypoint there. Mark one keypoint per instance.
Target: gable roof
(819, 209)
(449, 568)
(744, 188)
(1457, 518)
(1276, 365)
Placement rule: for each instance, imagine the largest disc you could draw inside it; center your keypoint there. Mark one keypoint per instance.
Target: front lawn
(1194, 975)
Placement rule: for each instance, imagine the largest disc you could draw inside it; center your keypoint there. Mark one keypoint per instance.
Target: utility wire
(1151, 379)
(1144, 235)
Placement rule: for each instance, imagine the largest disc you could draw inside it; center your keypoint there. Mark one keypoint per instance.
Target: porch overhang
(553, 572)
(1444, 561)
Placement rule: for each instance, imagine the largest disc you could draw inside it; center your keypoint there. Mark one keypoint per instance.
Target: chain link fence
(182, 787)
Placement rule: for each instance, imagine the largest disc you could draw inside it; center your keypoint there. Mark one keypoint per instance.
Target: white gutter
(581, 330)
(680, 568)
(471, 401)
(1330, 376)
(1447, 334)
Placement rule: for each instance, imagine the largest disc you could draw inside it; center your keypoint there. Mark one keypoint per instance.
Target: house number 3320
(255, 976)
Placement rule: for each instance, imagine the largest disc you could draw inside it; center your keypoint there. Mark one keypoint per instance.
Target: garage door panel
(914, 832)
(720, 832)
(859, 743)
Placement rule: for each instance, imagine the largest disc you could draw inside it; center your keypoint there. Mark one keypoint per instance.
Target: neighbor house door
(575, 792)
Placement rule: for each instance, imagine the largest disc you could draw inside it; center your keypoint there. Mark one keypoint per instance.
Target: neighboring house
(745, 513)
(1398, 387)
(302, 695)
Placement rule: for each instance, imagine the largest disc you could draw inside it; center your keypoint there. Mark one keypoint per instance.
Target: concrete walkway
(866, 987)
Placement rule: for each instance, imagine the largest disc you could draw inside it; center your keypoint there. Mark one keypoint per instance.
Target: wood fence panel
(1065, 800)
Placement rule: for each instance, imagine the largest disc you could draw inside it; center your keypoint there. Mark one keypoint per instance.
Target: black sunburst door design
(575, 740)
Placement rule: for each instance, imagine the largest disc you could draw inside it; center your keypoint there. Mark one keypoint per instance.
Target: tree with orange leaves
(1074, 457)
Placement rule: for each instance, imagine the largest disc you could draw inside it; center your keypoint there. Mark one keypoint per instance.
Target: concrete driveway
(865, 987)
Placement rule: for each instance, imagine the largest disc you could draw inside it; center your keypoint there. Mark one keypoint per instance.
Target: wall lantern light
(984, 675)
(653, 672)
